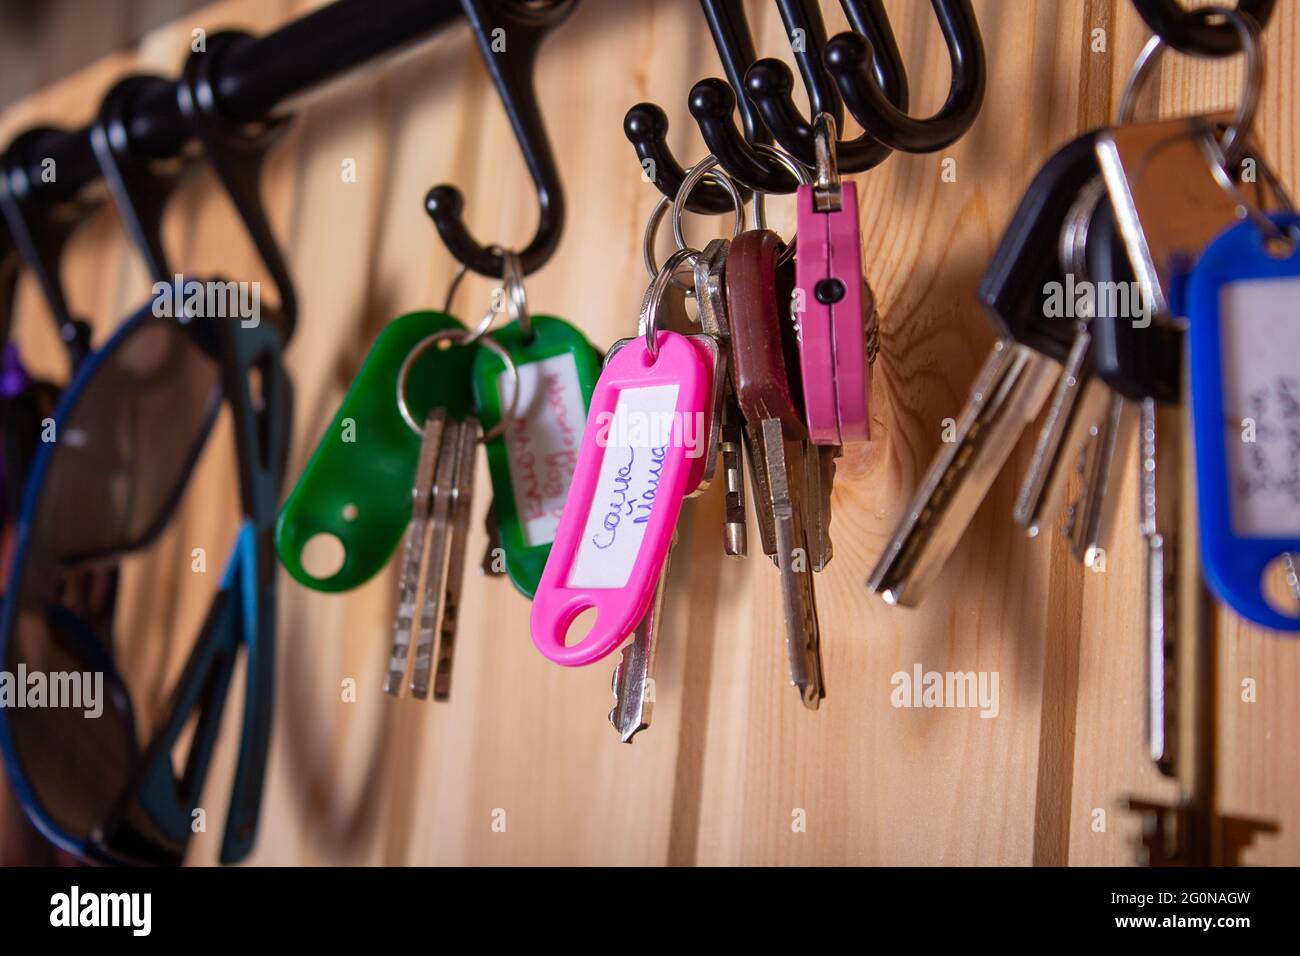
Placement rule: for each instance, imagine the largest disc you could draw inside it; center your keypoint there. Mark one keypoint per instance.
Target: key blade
(1088, 520)
(413, 550)
(762, 493)
(461, 505)
(435, 560)
(1008, 393)
(803, 638)
(1046, 473)
(735, 541)
(820, 467)
(633, 682)
(711, 440)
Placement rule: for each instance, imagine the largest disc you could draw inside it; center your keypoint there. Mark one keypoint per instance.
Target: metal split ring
(1217, 160)
(462, 338)
(800, 172)
(1233, 142)
(516, 297)
(655, 295)
(697, 173)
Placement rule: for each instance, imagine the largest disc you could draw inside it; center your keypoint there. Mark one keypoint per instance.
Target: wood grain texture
(734, 770)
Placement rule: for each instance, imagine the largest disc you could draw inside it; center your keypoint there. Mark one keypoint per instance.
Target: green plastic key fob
(531, 462)
(357, 486)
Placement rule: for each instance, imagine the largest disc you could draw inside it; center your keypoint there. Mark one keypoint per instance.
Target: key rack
(733, 769)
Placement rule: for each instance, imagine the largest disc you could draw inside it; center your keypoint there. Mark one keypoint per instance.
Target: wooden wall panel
(734, 770)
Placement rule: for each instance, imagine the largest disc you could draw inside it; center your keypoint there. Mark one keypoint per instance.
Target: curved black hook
(139, 186)
(509, 33)
(713, 102)
(769, 84)
(39, 230)
(646, 125)
(236, 152)
(849, 56)
(1188, 31)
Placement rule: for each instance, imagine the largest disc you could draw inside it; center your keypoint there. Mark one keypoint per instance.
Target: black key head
(1133, 352)
(1025, 291)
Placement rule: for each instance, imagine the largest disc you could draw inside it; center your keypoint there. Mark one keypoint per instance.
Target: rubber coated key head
(1026, 266)
(1136, 357)
(764, 352)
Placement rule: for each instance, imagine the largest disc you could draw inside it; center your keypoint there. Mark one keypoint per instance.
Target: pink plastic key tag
(646, 431)
(832, 321)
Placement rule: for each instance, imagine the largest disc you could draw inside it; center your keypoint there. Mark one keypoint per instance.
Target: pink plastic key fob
(832, 319)
(646, 430)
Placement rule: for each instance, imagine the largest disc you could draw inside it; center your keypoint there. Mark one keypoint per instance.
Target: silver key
(1089, 519)
(762, 494)
(819, 461)
(785, 473)
(413, 549)
(1045, 473)
(735, 540)
(435, 559)
(633, 683)
(1045, 476)
(1008, 394)
(461, 503)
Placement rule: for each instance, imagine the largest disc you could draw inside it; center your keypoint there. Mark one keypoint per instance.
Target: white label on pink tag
(1261, 404)
(638, 437)
(542, 442)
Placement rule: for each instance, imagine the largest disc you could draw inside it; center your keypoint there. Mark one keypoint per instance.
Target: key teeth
(625, 734)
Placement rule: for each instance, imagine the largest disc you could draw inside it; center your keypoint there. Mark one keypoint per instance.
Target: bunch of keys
(757, 333)
(408, 431)
(1111, 225)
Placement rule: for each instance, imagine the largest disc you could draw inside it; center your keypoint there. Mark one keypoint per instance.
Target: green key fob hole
(356, 489)
(323, 555)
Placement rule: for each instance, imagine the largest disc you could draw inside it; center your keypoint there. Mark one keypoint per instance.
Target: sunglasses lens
(125, 442)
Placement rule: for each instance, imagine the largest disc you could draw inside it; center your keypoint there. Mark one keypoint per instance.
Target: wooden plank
(521, 766)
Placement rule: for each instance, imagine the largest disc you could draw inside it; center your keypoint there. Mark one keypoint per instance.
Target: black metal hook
(712, 102)
(509, 33)
(1189, 31)
(40, 228)
(236, 152)
(769, 84)
(139, 186)
(849, 57)
(768, 109)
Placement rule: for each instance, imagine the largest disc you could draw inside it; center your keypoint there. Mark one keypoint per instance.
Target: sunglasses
(128, 432)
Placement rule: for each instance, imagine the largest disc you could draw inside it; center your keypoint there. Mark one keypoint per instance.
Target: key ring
(1247, 209)
(461, 337)
(800, 172)
(516, 296)
(1233, 141)
(693, 177)
(655, 295)
(489, 316)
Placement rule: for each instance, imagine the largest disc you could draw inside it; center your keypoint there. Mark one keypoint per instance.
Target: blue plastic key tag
(1243, 301)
